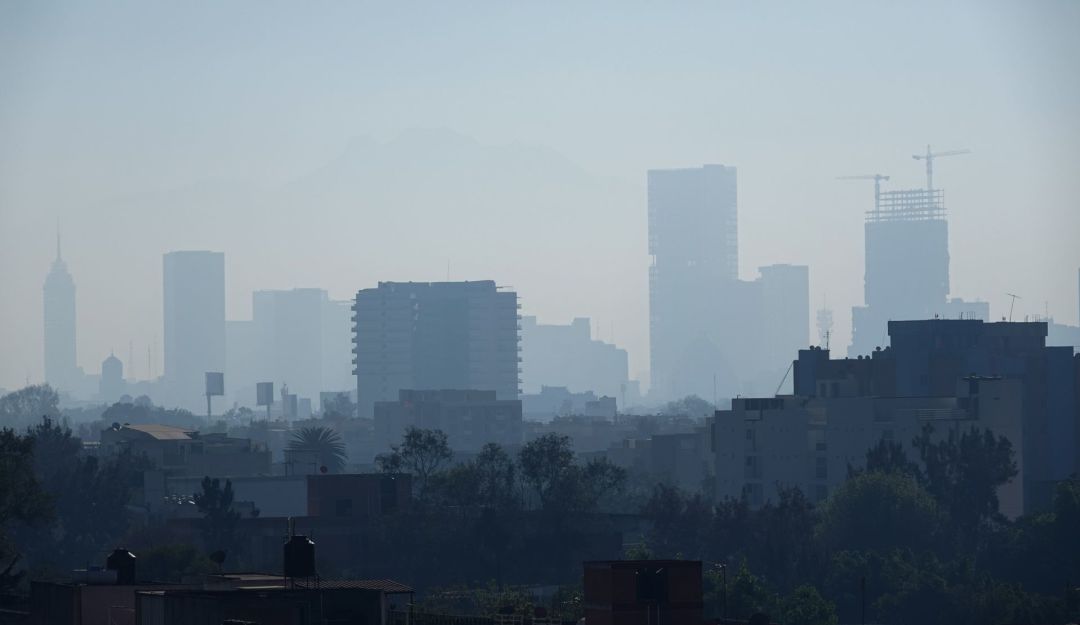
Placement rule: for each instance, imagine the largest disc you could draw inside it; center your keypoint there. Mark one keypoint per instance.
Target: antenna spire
(58, 257)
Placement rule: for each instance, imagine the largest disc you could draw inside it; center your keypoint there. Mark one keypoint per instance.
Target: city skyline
(517, 161)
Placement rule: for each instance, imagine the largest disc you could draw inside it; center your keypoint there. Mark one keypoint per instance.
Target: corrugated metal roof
(381, 585)
(162, 432)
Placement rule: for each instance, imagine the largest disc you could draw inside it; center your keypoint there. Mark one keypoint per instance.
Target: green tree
(421, 453)
(90, 497)
(889, 457)
(488, 481)
(806, 606)
(748, 595)
(963, 472)
(22, 500)
(878, 512)
(220, 521)
(27, 406)
(560, 485)
(689, 406)
(544, 462)
(681, 523)
(321, 443)
(783, 547)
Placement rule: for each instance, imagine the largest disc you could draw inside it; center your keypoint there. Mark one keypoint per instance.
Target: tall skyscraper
(693, 244)
(435, 336)
(61, 370)
(194, 310)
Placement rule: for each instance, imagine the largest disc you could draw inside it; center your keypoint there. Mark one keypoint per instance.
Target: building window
(752, 467)
(821, 468)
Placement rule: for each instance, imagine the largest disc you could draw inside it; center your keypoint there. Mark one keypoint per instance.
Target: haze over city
(339, 147)
(540, 313)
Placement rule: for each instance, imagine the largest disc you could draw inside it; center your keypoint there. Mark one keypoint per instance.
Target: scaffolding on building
(909, 205)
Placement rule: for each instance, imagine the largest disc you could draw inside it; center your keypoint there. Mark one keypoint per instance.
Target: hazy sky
(285, 135)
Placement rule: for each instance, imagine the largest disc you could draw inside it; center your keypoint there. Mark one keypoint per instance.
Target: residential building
(432, 336)
(194, 311)
(949, 374)
(470, 419)
(178, 451)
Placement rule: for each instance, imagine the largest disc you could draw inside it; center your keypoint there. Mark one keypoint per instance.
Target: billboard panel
(215, 383)
(264, 394)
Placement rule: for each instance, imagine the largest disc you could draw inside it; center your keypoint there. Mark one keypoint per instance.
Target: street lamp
(722, 567)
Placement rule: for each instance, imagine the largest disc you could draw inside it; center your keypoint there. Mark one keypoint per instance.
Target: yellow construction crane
(929, 158)
(877, 178)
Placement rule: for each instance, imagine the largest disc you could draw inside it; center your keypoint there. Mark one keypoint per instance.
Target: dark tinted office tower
(194, 310)
(907, 264)
(434, 336)
(59, 300)
(693, 244)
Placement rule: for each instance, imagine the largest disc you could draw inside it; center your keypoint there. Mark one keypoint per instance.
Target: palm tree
(322, 444)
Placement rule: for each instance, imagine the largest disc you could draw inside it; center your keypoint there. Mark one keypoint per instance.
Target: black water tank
(123, 562)
(299, 557)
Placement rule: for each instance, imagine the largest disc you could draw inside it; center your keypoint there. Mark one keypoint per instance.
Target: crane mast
(929, 158)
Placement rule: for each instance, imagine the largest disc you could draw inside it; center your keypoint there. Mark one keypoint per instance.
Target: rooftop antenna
(1012, 304)
(929, 158)
(877, 178)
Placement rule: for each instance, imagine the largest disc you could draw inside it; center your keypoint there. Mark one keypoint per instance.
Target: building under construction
(907, 263)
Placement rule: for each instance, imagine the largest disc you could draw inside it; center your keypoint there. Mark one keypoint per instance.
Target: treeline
(912, 542)
(526, 518)
(59, 508)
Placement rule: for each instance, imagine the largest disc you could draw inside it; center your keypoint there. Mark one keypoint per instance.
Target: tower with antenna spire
(61, 370)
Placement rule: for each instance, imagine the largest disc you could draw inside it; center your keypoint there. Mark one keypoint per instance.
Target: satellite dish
(323, 469)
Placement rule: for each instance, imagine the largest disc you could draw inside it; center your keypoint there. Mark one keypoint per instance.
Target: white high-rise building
(61, 370)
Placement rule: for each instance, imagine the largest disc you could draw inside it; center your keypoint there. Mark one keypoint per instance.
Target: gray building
(710, 333)
(906, 267)
(951, 374)
(296, 337)
(470, 419)
(567, 355)
(194, 311)
(432, 336)
(694, 249)
(61, 370)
